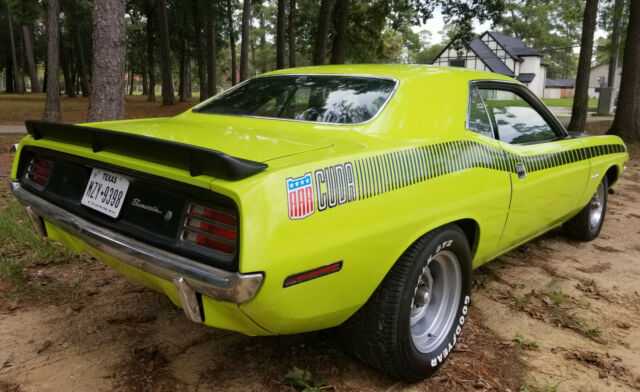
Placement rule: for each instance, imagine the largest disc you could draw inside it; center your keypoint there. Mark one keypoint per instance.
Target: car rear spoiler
(196, 160)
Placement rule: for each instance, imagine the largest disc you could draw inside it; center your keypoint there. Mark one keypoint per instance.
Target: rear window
(316, 98)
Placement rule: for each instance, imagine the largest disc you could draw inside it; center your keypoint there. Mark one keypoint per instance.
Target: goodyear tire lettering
(451, 344)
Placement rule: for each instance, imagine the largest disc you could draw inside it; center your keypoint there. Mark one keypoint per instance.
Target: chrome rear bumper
(188, 276)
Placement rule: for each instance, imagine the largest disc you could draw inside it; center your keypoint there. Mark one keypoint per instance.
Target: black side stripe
(393, 170)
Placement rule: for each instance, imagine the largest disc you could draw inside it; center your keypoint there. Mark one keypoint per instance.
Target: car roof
(401, 72)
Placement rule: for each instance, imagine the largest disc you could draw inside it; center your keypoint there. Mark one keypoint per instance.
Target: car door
(549, 171)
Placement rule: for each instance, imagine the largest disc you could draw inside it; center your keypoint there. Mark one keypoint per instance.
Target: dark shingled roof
(526, 77)
(488, 57)
(514, 46)
(560, 83)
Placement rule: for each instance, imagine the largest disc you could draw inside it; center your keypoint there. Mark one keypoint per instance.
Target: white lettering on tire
(447, 350)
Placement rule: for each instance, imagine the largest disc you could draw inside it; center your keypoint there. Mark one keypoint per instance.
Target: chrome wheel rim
(435, 301)
(596, 207)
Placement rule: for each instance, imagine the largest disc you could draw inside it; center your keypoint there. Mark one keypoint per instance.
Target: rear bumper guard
(188, 276)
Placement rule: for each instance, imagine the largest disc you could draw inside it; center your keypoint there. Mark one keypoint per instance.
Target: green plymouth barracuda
(358, 196)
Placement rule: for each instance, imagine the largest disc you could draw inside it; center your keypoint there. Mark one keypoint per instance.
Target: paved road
(12, 129)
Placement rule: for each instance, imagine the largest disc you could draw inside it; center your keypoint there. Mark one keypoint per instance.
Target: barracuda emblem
(138, 203)
(334, 185)
(300, 197)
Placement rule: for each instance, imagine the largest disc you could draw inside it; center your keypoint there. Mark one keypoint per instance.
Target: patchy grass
(545, 388)
(567, 102)
(526, 343)
(21, 248)
(15, 108)
(304, 381)
(588, 330)
(523, 302)
(556, 296)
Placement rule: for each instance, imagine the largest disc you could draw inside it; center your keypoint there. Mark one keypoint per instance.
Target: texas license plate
(105, 192)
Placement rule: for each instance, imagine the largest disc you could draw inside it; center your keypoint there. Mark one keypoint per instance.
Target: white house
(599, 71)
(559, 88)
(501, 54)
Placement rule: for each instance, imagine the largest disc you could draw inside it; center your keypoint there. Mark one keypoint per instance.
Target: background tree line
(187, 47)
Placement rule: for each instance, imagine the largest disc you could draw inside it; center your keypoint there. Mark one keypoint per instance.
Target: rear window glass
(315, 98)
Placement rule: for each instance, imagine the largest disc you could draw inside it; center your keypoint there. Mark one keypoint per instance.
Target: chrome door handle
(520, 170)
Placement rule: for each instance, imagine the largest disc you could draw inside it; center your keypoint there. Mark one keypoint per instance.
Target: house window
(457, 63)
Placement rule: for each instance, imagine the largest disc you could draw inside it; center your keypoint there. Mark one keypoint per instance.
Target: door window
(514, 120)
(478, 118)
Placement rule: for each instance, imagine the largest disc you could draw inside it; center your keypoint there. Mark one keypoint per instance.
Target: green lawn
(567, 102)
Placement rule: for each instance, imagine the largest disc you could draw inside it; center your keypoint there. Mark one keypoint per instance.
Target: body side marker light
(312, 274)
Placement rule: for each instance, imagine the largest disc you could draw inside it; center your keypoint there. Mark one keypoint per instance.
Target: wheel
(414, 318)
(587, 224)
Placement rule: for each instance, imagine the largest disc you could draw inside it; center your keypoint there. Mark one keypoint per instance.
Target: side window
(478, 118)
(515, 120)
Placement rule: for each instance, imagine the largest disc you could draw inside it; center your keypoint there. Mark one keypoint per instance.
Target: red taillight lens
(216, 215)
(39, 171)
(211, 228)
(207, 242)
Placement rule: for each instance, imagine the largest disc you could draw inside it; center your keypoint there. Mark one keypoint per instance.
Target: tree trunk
(182, 77)
(145, 82)
(626, 122)
(322, 34)
(280, 34)
(52, 104)
(66, 72)
(131, 85)
(211, 52)
(263, 38)
(8, 75)
(85, 85)
(615, 43)
(46, 68)
(168, 96)
(16, 75)
(581, 97)
(151, 96)
(201, 56)
(339, 47)
(106, 101)
(291, 32)
(27, 34)
(232, 44)
(244, 46)
(189, 78)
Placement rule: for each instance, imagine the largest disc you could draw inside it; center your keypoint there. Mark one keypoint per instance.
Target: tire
(380, 333)
(587, 224)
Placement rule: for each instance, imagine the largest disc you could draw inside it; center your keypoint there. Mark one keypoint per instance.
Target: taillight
(39, 171)
(210, 228)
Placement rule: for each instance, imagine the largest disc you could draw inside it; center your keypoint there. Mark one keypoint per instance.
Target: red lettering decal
(292, 204)
(309, 199)
(300, 202)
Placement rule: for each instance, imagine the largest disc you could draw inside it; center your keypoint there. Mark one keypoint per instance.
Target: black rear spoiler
(196, 160)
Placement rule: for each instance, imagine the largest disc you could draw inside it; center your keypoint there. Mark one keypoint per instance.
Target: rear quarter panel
(397, 201)
(608, 151)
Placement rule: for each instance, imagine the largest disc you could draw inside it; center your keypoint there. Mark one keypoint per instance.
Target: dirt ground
(552, 315)
(15, 108)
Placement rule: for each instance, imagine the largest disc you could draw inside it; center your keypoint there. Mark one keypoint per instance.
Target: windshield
(316, 98)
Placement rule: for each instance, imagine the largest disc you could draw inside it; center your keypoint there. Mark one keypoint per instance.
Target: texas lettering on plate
(105, 192)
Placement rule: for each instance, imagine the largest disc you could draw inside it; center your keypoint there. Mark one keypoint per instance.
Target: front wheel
(587, 224)
(413, 320)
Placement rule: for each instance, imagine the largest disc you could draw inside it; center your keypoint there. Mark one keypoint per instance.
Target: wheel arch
(612, 174)
(471, 230)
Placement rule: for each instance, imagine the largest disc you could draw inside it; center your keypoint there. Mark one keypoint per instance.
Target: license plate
(105, 192)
